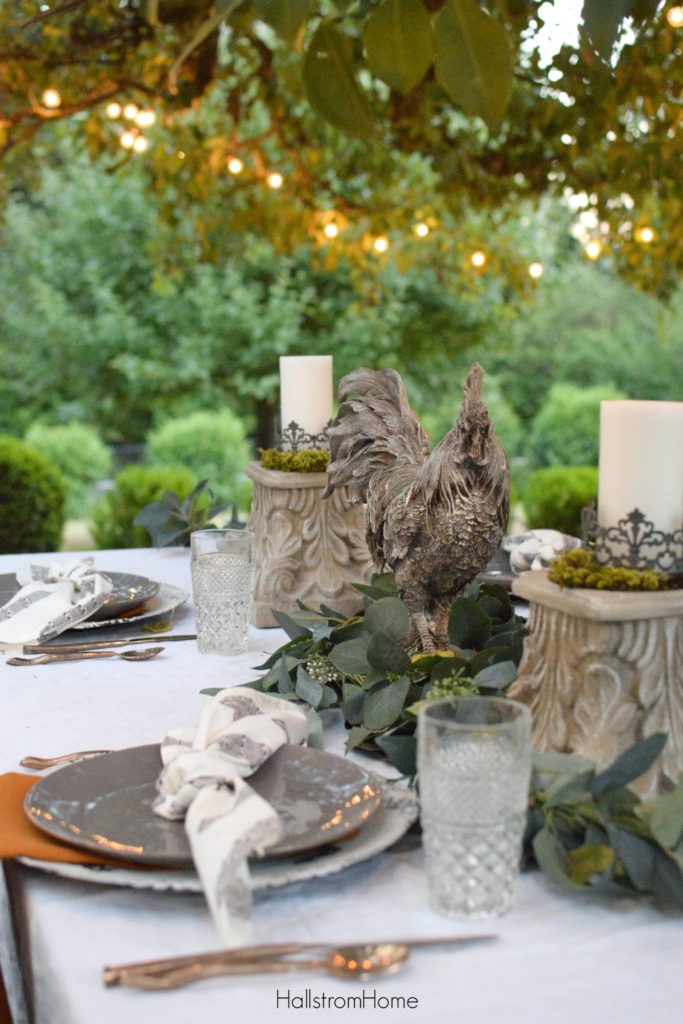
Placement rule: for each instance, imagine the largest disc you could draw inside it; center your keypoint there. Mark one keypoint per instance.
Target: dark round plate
(104, 804)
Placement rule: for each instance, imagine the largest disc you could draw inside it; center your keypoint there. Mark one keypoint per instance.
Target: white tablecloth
(559, 959)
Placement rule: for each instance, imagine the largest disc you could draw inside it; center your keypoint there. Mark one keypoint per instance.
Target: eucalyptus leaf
(550, 856)
(473, 59)
(637, 857)
(356, 736)
(328, 72)
(401, 752)
(500, 594)
(350, 657)
(384, 705)
(307, 688)
(315, 729)
(497, 676)
(398, 43)
(664, 816)
(292, 628)
(390, 616)
(633, 763)
(468, 625)
(489, 656)
(669, 878)
(384, 653)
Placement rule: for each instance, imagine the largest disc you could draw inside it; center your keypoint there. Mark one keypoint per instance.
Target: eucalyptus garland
(585, 829)
(358, 664)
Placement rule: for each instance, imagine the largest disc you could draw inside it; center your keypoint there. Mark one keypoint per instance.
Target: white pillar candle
(306, 392)
(641, 462)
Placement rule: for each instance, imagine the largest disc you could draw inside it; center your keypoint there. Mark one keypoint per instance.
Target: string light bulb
(275, 180)
(51, 99)
(145, 119)
(140, 144)
(127, 140)
(131, 111)
(331, 230)
(478, 259)
(593, 249)
(113, 110)
(235, 165)
(675, 17)
(381, 244)
(421, 229)
(536, 270)
(645, 235)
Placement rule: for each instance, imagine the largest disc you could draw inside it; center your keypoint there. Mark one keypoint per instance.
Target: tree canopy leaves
(454, 103)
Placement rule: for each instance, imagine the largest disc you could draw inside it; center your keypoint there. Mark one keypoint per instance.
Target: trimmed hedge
(212, 445)
(32, 497)
(135, 487)
(566, 429)
(555, 496)
(80, 454)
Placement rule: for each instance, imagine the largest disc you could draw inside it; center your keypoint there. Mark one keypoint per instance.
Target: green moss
(32, 496)
(310, 460)
(581, 569)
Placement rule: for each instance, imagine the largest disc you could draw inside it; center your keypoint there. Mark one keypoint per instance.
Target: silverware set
(50, 653)
(358, 962)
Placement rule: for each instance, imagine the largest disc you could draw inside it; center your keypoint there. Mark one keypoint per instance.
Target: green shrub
(81, 456)
(135, 487)
(211, 444)
(555, 496)
(566, 429)
(32, 496)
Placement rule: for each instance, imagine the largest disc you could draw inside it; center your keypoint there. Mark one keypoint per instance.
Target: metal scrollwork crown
(633, 542)
(294, 438)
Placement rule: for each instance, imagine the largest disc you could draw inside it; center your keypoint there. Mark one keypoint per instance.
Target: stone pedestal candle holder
(307, 549)
(602, 670)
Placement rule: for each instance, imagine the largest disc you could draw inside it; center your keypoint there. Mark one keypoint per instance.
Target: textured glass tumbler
(222, 583)
(474, 768)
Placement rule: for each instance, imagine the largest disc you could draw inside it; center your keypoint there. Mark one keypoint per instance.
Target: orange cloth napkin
(19, 837)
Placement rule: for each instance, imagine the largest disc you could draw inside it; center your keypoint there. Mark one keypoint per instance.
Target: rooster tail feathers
(375, 429)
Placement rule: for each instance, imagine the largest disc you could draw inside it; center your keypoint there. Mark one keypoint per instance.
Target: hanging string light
(536, 270)
(275, 180)
(645, 234)
(131, 111)
(127, 140)
(235, 165)
(478, 259)
(145, 119)
(593, 249)
(675, 17)
(421, 229)
(113, 110)
(141, 144)
(331, 230)
(51, 99)
(381, 244)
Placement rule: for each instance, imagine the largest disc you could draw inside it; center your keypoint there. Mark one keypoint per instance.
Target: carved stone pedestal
(307, 549)
(602, 670)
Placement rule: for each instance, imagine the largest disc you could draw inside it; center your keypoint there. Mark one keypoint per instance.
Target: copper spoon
(47, 659)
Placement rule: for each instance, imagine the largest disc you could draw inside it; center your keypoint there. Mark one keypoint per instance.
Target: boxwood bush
(32, 497)
(83, 458)
(555, 496)
(213, 445)
(135, 487)
(566, 429)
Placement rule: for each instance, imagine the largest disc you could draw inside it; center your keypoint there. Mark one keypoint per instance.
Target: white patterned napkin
(225, 819)
(537, 549)
(52, 598)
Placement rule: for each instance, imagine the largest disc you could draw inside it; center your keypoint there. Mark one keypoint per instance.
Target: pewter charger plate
(104, 804)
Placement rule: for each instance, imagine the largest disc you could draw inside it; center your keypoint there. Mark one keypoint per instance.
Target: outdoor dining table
(560, 957)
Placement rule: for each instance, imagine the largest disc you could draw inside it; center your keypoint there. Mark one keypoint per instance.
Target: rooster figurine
(435, 519)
